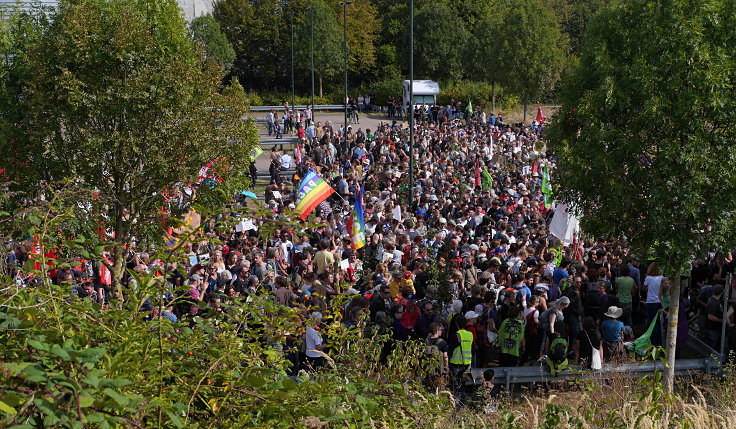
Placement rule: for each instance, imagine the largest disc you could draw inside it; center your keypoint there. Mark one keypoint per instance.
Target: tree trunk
(526, 101)
(320, 87)
(493, 96)
(672, 321)
(117, 271)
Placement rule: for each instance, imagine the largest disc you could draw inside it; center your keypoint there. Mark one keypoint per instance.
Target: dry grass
(516, 115)
(619, 402)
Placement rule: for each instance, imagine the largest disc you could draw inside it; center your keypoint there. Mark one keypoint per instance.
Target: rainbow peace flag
(356, 224)
(312, 190)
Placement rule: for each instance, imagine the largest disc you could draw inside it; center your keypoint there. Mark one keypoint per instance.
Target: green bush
(479, 93)
(279, 98)
(384, 88)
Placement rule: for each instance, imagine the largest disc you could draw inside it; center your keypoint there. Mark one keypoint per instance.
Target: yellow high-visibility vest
(463, 354)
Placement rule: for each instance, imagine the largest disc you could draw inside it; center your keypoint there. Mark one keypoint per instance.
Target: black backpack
(558, 350)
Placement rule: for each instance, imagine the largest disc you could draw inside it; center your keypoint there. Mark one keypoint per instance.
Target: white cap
(471, 315)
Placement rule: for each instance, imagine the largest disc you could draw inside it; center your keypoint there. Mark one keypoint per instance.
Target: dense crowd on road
(469, 268)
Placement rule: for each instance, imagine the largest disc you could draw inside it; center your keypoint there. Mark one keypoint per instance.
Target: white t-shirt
(529, 310)
(313, 340)
(652, 283)
(286, 161)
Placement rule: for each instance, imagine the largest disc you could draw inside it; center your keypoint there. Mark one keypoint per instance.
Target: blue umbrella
(249, 194)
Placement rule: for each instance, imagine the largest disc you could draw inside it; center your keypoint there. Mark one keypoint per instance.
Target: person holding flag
(311, 192)
(487, 179)
(356, 223)
(540, 116)
(547, 187)
(477, 172)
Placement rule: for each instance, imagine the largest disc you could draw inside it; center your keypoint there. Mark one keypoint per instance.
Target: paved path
(370, 121)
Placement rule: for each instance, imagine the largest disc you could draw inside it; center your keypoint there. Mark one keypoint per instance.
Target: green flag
(256, 153)
(547, 187)
(558, 256)
(487, 179)
(470, 108)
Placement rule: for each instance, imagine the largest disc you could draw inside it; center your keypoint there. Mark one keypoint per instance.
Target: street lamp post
(292, 60)
(411, 104)
(345, 54)
(311, 54)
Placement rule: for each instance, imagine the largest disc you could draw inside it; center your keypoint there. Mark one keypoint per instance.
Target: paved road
(366, 122)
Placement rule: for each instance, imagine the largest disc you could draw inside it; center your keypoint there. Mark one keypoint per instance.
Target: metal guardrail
(704, 349)
(299, 107)
(536, 374)
(271, 142)
(709, 363)
(282, 173)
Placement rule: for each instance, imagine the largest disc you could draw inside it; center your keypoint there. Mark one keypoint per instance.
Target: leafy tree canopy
(328, 45)
(646, 128)
(207, 31)
(115, 95)
(439, 35)
(532, 46)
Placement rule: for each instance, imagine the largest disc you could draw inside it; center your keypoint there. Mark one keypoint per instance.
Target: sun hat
(614, 312)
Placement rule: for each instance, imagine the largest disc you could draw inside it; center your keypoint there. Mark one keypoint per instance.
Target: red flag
(540, 116)
(477, 172)
(298, 153)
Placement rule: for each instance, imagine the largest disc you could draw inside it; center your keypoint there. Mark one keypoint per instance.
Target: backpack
(531, 327)
(490, 337)
(558, 350)
(544, 318)
(432, 350)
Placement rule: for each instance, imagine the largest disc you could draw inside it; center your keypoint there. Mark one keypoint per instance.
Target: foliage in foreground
(67, 362)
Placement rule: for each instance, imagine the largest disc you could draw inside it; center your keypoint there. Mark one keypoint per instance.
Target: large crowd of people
(469, 268)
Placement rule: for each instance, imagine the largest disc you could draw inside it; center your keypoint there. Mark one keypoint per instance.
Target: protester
(469, 269)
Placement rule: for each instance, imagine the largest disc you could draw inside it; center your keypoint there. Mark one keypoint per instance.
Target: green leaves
(640, 152)
(207, 31)
(7, 409)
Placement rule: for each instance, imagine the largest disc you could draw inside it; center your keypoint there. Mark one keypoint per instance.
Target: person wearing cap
(511, 338)
(471, 325)
(613, 334)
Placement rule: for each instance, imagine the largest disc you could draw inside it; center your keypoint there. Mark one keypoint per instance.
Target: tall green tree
(254, 29)
(363, 28)
(484, 51)
(573, 16)
(439, 38)
(260, 32)
(328, 45)
(391, 58)
(114, 94)
(207, 31)
(646, 129)
(532, 45)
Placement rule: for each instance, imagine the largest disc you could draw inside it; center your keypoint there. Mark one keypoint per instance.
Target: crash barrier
(300, 107)
(540, 374)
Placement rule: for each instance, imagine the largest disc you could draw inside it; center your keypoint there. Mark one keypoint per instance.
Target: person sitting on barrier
(613, 335)
(556, 360)
(548, 321)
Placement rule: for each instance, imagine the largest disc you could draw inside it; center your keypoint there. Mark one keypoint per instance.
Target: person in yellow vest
(461, 345)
